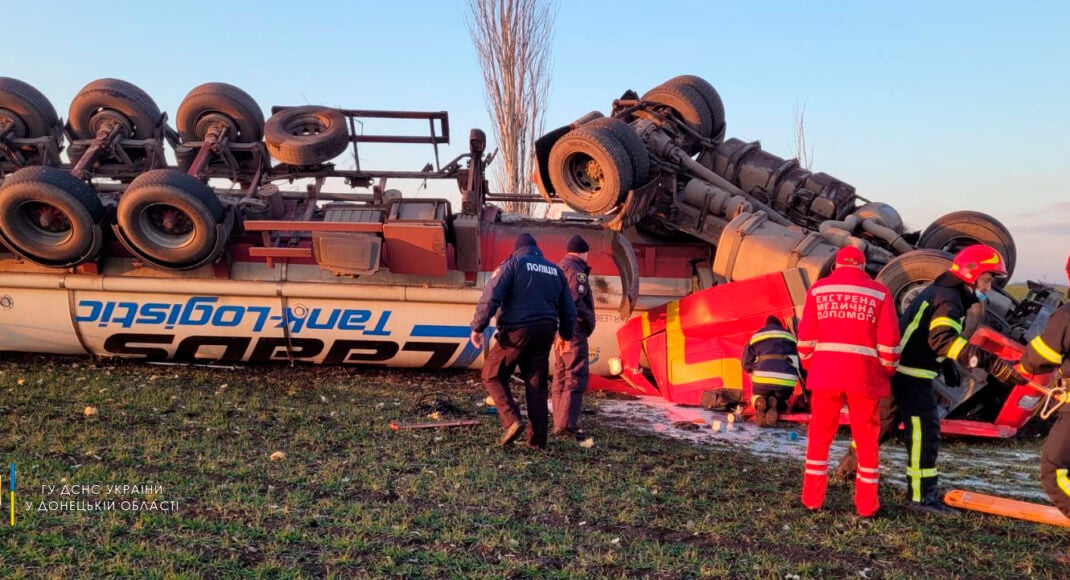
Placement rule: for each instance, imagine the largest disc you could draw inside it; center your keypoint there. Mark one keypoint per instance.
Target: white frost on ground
(984, 468)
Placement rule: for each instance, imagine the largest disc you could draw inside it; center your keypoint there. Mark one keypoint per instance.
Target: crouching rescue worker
(932, 328)
(849, 344)
(772, 360)
(1049, 351)
(533, 296)
(572, 366)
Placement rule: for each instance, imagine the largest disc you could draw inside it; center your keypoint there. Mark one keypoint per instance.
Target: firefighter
(932, 328)
(1050, 350)
(849, 345)
(533, 296)
(772, 360)
(572, 367)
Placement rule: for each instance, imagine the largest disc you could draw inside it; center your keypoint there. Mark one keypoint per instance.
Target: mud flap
(541, 176)
(628, 267)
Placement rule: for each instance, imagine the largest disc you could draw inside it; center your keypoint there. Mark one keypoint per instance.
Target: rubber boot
(760, 406)
(931, 503)
(848, 466)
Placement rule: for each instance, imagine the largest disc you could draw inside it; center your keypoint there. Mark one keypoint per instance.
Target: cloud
(1057, 208)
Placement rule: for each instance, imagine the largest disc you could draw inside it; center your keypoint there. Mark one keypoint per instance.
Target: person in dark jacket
(1050, 350)
(572, 368)
(532, 294)
(771, 357)
(932, 328)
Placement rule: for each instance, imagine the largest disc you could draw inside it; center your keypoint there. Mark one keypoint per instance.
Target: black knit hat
(524, 239)
(577, 245)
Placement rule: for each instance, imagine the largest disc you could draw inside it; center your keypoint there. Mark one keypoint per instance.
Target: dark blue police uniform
(572, 368)
(533, 296)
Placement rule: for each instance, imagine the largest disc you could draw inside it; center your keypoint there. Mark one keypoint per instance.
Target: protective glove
(1004, 372)
(952, 376)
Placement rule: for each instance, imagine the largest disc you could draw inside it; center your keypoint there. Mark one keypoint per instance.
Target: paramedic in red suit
(1050, 350)
(849, 343)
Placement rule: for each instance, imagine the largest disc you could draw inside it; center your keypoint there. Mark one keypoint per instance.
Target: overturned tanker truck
(659, 169)
(256, 246)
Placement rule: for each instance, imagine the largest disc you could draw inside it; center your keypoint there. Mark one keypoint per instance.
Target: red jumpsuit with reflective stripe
(849, 344)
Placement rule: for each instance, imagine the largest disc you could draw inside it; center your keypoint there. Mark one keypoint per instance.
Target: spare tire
(633, 144)
(170, 218)
(712, 99)
(49, 217)
(112, 99)
(306, 135)
(686, 103)
(590, 170)
(220, 103)
(908, 274)
(24, 107)
(956, 230)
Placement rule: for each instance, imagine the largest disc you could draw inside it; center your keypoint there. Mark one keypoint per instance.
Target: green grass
(353, 498)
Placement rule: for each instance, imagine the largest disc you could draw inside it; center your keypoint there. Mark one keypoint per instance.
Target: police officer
(1050, 350)
(533, 296)
(772, 360)
(932, 329)
(849, 343)
(572, 367)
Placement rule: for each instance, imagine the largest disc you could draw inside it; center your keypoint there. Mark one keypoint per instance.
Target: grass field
(353, 498)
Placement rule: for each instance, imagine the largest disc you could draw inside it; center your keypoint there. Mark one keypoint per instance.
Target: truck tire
(104, 98)
(170, 217)
(956, 230)
(686, 103)
(907, 274)
(306, 135)
(48, 216)
(26, 108)
(219, 102)
(590, 170)
(712, 99)
(633, 145)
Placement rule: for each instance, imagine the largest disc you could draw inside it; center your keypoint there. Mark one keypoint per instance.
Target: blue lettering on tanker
(469, 354)
(204, 311)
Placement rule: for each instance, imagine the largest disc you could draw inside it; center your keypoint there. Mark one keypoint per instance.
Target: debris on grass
(278, 456)
(90, 411)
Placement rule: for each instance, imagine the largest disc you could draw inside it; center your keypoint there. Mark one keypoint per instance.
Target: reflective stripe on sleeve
(1045, 351)
(917, 373)
(945, 321)
(956, 348)
(889, 349)
(1062, 481)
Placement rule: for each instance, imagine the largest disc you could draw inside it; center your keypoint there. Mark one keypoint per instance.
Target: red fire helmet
(973, 261)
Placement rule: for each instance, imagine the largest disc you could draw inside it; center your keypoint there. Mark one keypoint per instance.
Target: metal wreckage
(256, 247)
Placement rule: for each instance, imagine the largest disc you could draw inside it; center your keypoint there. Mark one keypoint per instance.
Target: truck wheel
(106, 100)
(959, 229)
(220, 103)
(306, 135)
(908, 274)
(633, 145)
(686, 103)
(48, 216)
(712, 99)
(590, 170)
(170, 217)
(24, 107)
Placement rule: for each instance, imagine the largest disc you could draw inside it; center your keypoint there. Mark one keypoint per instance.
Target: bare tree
(512, 40)
(804, 155)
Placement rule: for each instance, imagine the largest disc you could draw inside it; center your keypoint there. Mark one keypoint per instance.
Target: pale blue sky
(931, 107)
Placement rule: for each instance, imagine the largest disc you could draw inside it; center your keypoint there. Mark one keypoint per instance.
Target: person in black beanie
(572, 367)
(532, 294)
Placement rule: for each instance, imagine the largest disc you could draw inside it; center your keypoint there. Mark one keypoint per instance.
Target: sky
(932, 107)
